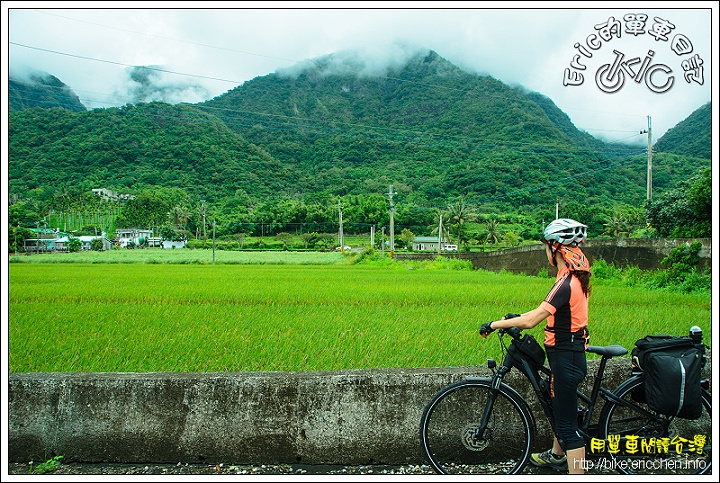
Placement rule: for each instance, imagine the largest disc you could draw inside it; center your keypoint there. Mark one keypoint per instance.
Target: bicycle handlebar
(513, 332)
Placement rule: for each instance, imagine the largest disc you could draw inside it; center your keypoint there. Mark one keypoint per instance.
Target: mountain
(42, 90)
(426, 126)
(690, 137)
(136, 147)
(433, 132)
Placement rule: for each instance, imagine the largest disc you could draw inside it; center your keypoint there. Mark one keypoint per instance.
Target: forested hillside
(691, 137)
(41, 90)
(428, 128)
(136, 147)
(289, 147)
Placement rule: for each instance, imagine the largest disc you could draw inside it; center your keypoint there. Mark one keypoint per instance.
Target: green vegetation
(281, 152)
(185, 257)
(47, 467)
(691, 137)
(681, 272)
(101, 317)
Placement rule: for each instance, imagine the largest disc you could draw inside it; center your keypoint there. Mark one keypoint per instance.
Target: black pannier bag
(528, 348)
(671, 368)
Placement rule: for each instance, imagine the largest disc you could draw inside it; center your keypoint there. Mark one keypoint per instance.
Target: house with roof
(48, 241)
(132, 237)
(61, 243)
(431, 243)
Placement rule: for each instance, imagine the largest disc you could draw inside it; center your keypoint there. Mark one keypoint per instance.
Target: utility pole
(372, 236)
(213, 245)
(440, 234)
(392, 222)
(382, 251)
(341, 237)
(649, 169)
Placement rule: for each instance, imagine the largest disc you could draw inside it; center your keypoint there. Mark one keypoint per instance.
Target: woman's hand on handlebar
(486, 328)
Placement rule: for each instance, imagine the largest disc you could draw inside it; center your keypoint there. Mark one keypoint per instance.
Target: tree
(179, 215)
(685, 211)
(511, 238)
(459, 213)
(74, 244)
(148, 209)
(17, 236)
(406, 237)
(492, 234)
(618, 226)
(435, 229)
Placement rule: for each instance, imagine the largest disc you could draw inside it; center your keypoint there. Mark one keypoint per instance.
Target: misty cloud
(366, 61)
(150, 83)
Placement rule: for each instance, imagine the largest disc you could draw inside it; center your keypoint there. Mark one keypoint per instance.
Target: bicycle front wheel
(650, 443)
(450, 422)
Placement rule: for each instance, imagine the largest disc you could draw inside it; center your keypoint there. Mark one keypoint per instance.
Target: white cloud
(92, 50)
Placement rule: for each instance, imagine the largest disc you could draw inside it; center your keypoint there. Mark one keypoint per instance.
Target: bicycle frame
(598, 392)
(469, 416)
(541, 390)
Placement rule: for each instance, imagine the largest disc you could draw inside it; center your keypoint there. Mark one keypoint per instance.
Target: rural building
(61, 243)
(57, 241)
(425, 243)
(132, 237)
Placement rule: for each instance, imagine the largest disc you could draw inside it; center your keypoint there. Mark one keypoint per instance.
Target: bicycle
(481, 425)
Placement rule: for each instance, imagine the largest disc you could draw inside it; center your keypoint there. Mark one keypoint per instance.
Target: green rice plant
(137, 317)
(184, 256)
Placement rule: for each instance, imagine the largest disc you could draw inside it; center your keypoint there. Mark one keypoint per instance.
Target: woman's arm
(528, 320)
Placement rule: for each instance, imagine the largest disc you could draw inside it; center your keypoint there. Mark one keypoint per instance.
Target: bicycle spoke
(450, 425)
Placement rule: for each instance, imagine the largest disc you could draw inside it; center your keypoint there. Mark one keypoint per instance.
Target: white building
(430, 243)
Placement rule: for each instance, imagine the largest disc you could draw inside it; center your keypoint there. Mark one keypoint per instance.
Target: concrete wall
(334, 417)
(645, 253)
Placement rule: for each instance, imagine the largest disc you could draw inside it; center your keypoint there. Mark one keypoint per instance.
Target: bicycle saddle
(608, 350)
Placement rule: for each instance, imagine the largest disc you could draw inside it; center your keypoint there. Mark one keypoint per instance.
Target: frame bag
(528, 348)
(671, 368)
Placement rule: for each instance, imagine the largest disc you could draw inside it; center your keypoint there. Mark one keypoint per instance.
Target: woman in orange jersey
(566, 338)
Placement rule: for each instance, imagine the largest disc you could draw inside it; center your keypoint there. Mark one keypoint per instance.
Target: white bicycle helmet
(566, 232)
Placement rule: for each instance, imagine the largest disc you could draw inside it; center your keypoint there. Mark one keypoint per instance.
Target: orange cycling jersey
(568, 306)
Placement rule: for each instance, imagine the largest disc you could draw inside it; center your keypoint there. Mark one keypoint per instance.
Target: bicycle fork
(483, 433)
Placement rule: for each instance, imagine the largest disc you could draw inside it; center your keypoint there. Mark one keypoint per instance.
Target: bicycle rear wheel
(662, 445)
(453, 415)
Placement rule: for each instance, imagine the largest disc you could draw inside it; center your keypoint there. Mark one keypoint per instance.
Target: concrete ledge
(333, 417)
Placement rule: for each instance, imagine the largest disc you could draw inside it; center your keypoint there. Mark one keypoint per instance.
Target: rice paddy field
(288, 312)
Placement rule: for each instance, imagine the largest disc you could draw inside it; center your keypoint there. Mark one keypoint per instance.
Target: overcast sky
(208, 51)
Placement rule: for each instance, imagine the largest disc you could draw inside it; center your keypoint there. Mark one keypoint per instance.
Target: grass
(185, 256)
(236, 316)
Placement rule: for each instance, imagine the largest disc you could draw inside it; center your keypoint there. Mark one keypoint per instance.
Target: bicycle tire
(454, 413)
(694, 455)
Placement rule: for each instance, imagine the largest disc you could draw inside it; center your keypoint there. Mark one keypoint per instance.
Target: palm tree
(459, 213)
(491, 229)
(618, 226)
(179, 215)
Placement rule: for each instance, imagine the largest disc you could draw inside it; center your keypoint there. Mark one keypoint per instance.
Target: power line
(125, 65)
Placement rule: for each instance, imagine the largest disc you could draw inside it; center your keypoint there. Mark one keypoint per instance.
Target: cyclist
(566, 339)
